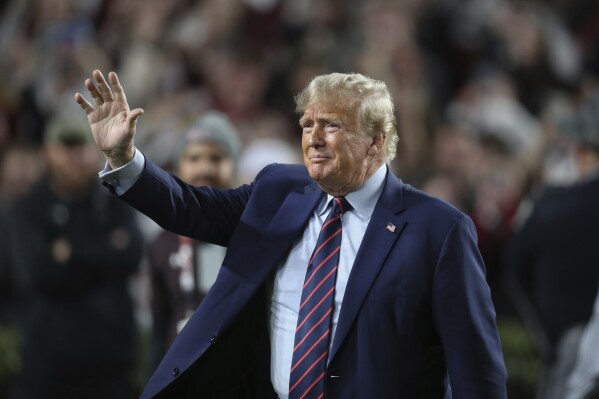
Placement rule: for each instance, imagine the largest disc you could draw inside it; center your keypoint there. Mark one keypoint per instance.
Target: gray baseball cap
(214, 127)
(68, 128)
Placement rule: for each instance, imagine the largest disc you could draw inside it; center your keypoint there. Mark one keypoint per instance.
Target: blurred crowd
(480, 88)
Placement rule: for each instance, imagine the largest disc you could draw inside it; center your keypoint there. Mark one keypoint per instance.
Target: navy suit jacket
(416, 318)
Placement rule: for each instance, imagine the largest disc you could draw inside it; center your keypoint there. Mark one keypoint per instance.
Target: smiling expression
(338, 156)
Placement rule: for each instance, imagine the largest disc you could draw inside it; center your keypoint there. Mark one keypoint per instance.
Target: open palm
(112, 122)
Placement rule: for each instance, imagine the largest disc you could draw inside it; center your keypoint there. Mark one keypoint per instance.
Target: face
(73, 167)
(206, 164)
(338, 156)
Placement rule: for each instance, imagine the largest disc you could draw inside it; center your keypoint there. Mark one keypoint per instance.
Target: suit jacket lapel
(378, 240)
(284, 229)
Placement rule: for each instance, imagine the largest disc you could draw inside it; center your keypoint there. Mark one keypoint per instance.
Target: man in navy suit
(411, 315)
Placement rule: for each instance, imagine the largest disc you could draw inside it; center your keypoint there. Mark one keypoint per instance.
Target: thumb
(134, 114)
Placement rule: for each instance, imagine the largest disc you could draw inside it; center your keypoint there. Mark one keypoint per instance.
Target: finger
(117, 89)
(93, 91)
(85, 105)
(103, 88)
(134, 116)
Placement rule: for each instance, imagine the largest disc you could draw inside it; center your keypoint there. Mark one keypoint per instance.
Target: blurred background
(480, 87)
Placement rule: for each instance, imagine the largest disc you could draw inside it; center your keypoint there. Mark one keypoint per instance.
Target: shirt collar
(364, 199)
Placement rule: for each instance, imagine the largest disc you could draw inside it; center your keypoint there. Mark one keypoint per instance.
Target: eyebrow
(322, 117)
(303, 119)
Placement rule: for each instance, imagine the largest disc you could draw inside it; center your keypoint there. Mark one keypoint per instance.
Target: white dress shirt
(286, 293)
(286, 287)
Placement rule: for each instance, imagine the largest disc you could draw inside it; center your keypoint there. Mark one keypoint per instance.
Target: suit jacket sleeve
(465, 317)
(203, 213)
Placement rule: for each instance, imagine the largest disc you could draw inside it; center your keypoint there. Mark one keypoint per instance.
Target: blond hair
(360, 95)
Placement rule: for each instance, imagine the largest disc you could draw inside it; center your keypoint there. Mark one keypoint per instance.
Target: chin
(318, 168)
(316, 175)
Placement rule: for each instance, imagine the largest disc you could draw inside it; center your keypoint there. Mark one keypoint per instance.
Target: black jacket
(76, 318)
(554, 259)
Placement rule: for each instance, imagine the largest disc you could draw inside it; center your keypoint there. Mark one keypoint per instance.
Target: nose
(206, 167)
(316, 137)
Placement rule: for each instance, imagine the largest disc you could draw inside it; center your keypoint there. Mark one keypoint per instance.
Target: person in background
(553, 261)
(583, 126)
(183, 270)
(20, 168)
(72, 250)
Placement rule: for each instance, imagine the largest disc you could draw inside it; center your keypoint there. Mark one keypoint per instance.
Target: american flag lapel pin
(391, 227)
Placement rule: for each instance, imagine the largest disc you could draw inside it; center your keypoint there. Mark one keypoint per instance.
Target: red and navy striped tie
(313, 332)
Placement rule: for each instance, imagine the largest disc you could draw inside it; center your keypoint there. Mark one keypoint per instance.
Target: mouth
(318, 158)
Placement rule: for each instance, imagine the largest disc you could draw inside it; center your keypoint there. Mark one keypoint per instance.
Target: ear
(377, 145)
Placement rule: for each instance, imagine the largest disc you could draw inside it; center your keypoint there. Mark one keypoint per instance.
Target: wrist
(119, 157)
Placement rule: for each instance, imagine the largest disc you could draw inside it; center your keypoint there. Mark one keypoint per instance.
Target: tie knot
(341, 205)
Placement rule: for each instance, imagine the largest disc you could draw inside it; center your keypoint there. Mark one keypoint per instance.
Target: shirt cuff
(123, 178)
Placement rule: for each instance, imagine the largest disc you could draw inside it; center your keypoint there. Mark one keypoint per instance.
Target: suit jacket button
(176, 372)
(213, 339)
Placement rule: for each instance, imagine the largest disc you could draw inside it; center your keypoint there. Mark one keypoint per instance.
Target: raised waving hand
(111, 121)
